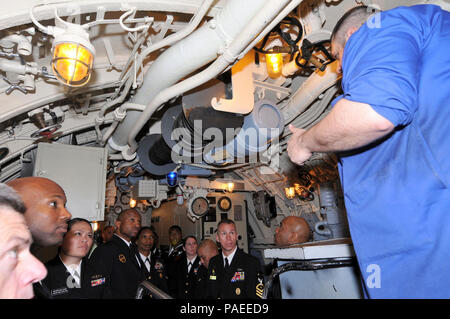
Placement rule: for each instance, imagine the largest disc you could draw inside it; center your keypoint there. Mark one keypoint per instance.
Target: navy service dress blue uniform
(201, 283)
(243, 279)
(170, 261)
(157, 275)
(120, 267)
(183, 287)
(59, 283)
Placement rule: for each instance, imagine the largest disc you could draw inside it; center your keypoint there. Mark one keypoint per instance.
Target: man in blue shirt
(391, 129)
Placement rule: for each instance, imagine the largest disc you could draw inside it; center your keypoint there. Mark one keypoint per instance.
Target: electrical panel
(226, 205)
(80, 171)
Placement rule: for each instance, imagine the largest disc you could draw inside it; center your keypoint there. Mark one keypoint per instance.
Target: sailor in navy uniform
(71, 283)
(186, 271)
(233, 274)
(172, 255)
(69, 274)
(206, 251)
(116, 259)
(151, 265)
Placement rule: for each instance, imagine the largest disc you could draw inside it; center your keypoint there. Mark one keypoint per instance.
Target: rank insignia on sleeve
(260, 288)
(122, 258)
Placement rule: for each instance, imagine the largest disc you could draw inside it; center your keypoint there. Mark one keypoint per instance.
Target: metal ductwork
(230, 33)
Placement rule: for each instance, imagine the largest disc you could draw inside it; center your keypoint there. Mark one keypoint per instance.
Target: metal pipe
(240, 42)
(158, 77)
(309, 91)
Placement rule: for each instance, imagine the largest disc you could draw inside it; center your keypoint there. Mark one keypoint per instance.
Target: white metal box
(80, 171)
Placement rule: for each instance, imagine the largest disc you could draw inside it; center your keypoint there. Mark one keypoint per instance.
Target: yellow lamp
(290, 192)
(94, 226)
(132, 203)
(274, 63)
(73, 55)
(230, 187)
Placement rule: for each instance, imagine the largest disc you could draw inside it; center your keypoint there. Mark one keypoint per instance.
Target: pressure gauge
(117, 210)
(200, 206)
(125, 199)
(224, 204)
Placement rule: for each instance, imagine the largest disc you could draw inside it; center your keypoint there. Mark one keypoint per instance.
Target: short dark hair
(11, 199)
(125, 212)
(226, 221)
(354, 17)
(142, 229)
(187, 237)
(75, 220)
(175, 227)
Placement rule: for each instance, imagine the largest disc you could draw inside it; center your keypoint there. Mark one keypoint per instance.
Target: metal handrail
(153, 291)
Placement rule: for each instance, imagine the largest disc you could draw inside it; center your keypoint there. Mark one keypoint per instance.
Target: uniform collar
(230, 256)
(126, 242)
(72, 268)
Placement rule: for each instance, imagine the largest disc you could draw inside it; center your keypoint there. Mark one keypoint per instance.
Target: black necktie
(227, 265)
(189, 266)
(147, 261)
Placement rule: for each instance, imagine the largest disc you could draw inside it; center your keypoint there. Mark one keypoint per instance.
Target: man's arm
(349, 125)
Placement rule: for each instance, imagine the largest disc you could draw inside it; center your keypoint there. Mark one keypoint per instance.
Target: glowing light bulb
(274, 63)
(72, 63)
(290, 192)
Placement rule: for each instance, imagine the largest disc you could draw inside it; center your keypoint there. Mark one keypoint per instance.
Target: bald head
(46, 213)
(292, 230)
(207, 250)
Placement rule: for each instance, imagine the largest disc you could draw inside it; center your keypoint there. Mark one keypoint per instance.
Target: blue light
(172, 179)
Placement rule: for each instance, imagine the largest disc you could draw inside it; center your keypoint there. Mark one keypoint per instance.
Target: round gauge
(200, 206)
(125, 199)
(117, 209)
(224, 203)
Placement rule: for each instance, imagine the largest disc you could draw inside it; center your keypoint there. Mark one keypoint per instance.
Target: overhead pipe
(309, 91)
(238, 21)
(179, 60)
(193, 24)
(241, 41)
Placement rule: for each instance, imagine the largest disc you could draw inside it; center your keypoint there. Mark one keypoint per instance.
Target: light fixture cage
(72, 63)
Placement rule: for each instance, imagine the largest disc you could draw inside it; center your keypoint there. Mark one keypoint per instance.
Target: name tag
(97, 282)
(60, 291)
(212, 277)
(238, 276)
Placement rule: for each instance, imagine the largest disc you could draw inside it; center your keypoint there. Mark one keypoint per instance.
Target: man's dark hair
(226, 221)
(10, 198)
(187, 237)
(126, 212)
(175, 227)
(355, 17)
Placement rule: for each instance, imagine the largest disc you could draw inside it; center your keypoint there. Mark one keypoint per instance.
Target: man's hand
(297, 151)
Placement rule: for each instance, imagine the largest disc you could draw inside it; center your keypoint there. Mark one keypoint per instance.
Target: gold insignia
(238, 291)
(122, 258)
(260, 288)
